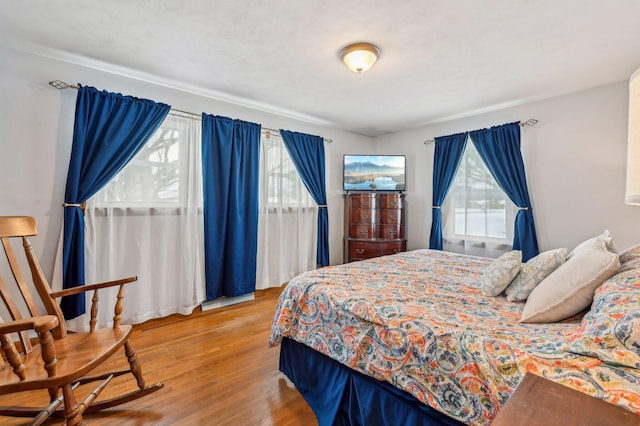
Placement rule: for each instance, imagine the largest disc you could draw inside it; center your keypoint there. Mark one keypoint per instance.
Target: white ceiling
(441, 59)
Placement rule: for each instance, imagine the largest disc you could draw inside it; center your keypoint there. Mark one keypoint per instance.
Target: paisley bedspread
(419, 321)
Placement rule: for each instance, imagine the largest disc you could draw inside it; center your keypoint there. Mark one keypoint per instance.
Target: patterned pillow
(533, 272)
(500, 273)
(630, 258)
(610, 331)
(570, 288)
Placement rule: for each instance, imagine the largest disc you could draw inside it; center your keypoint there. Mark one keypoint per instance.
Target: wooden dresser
(374, 224)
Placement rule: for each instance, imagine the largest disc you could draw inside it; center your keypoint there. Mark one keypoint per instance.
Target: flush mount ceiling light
(359, 57)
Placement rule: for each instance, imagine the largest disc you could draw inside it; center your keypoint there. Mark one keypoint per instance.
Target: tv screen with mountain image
(374, 172)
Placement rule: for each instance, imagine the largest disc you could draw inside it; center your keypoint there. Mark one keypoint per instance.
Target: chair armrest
(89, 287)
(117, 311)
(43, 326)
(40, 324)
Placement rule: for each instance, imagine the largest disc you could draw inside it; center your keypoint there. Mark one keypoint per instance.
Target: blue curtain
(446, 160)
(499, 148)
(109, 130)
(307, 154)
(230, 167)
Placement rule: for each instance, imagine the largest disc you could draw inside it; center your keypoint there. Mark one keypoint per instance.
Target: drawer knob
(359, 250)
(364, 232)
(365, 216)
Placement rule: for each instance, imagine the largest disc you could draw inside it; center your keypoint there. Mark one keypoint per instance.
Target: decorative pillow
(630, 258)
(533, 272)
(610, 331)
(604, 238)
(569, 289)
(500, 273)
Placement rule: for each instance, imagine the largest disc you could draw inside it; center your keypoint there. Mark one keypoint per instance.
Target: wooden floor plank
(216, 367)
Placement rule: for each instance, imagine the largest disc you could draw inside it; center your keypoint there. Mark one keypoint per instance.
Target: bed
(411, 336)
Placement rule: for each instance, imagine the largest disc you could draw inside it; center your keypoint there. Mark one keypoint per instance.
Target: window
(477, 212)
(148, 222)
(281, 179)
(153, 177)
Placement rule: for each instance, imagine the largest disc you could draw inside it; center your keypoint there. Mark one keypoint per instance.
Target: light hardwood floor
(216, 367)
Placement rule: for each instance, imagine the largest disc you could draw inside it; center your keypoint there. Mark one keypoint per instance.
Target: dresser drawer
(363, 216)
(391, 231)
(393, 248)
(390, 201)
(363, 201)
(390, 216)
(361, 231)
(359, 250)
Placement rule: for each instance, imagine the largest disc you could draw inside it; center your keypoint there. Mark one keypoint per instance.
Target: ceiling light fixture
(359, 57)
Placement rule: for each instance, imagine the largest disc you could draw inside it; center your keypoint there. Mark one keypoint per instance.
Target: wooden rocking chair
(56, 360)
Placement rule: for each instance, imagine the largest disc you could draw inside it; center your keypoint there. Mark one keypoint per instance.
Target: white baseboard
(226, 301)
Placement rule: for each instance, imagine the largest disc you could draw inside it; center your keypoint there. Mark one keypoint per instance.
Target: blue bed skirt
(340, 396)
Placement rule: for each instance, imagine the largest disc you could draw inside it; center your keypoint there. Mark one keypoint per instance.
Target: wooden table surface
(538, 401)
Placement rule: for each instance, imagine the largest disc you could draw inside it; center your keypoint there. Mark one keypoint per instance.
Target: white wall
(575, 159)
(36, 129)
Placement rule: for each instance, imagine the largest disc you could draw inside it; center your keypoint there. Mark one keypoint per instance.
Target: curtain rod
(529, 122)
(263, 129)
(62, 85)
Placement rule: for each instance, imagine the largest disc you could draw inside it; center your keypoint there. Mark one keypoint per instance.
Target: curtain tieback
(322, 205)
(83, 206)
(523, 208)
(435, 207)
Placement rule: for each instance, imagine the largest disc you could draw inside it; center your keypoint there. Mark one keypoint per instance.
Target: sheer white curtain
(287, 222)
(148, 222)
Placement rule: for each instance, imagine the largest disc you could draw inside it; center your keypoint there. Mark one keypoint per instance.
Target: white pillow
(569, 289)
(500, 273)
(604, 238)
(533, 272)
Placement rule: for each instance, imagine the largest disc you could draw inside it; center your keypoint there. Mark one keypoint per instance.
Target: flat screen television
(374, 173)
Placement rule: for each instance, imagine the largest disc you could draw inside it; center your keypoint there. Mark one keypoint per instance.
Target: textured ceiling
(441, 59)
